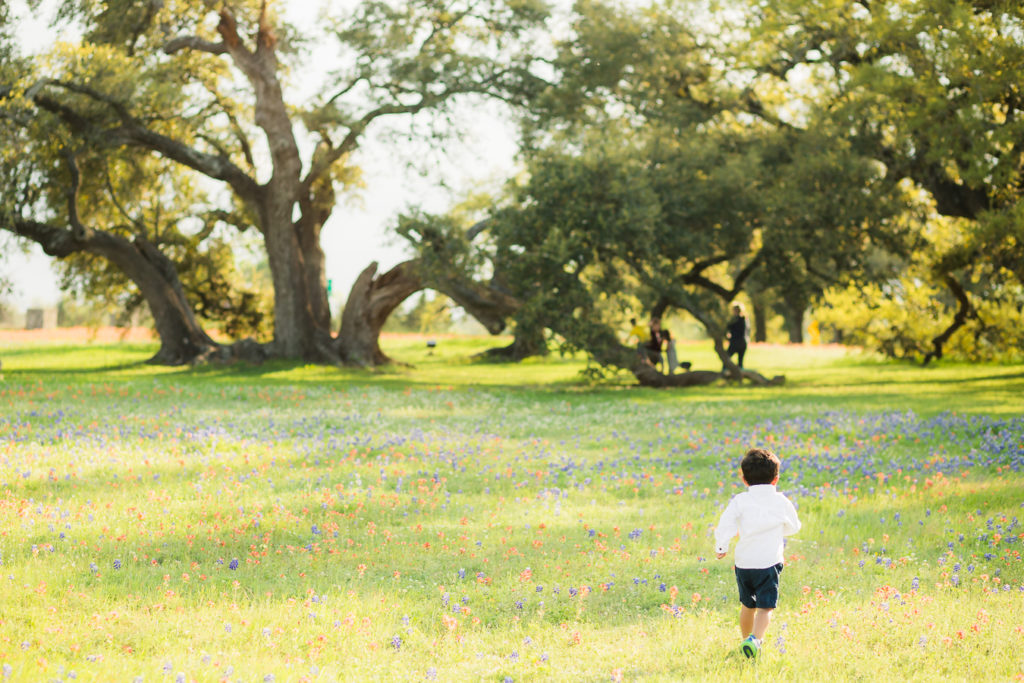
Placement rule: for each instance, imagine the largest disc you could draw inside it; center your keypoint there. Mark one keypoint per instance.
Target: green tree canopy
(931, 90)
(649, 177)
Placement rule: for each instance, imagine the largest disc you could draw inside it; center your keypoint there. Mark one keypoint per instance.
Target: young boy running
(762, 517)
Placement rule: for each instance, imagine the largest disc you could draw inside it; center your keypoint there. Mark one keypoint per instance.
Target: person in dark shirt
(737, 333)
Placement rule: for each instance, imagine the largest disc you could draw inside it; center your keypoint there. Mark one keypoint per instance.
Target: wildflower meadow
(455, 521)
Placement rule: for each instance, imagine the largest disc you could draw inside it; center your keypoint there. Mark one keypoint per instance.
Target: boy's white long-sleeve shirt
(762, 517)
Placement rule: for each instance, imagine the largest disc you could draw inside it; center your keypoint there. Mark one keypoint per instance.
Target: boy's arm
(791, 524)
(728, 527)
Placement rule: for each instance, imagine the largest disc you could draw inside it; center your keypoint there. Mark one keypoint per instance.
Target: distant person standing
(737, 333)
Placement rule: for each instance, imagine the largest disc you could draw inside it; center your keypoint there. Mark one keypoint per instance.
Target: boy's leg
(760, 619)
(747, 620)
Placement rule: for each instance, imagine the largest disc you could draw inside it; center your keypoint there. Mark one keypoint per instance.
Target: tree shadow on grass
(942, 380)
(66, 353)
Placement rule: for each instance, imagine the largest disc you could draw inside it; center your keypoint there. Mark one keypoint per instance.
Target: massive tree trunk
(370, 302)
(372, 299)
(182, 339)
(297, 274)
(293, 322)
(302, 324)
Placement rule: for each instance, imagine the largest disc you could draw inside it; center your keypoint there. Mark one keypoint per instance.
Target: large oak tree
(653, 176)
(214, 90)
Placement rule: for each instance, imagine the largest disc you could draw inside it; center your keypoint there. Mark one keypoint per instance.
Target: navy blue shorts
(759, 587)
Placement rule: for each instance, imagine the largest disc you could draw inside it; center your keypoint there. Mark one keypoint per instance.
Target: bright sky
(357, 232)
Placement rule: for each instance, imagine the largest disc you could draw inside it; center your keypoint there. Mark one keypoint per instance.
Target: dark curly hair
(760, 466)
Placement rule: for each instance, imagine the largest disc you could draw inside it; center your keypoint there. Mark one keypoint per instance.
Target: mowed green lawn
(449, 520)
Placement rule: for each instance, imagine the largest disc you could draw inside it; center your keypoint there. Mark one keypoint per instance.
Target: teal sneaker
(750, 647)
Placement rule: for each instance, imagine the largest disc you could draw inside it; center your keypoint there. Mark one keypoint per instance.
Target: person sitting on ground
(662, 340)
(638, 336)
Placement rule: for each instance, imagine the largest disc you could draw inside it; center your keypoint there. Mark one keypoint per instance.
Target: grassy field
(456, 521)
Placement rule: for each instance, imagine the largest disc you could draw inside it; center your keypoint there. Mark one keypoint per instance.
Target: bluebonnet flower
(233, 564)
(396, 642)
(117, 564)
